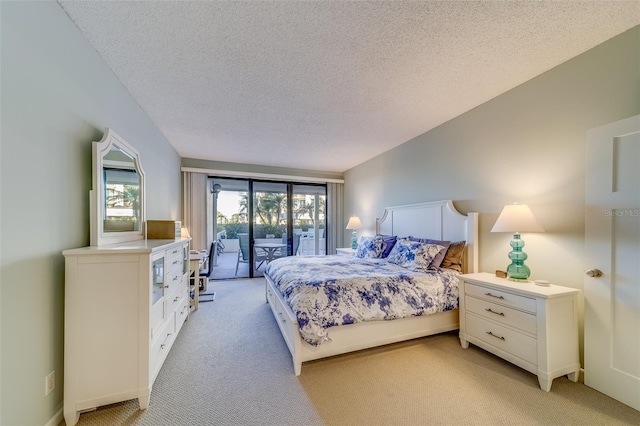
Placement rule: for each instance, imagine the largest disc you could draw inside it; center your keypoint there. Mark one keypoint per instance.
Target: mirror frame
(111, 140)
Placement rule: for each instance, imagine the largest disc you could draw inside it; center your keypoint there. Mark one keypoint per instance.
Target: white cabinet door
(612, 234)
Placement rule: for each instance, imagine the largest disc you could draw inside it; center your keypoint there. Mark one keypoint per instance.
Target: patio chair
(243, 251)
(296, 243)
(259, 257)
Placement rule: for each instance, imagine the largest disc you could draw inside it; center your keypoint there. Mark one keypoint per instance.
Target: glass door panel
(309, 218)
(157, 269)
(269, 224)
(230, 202)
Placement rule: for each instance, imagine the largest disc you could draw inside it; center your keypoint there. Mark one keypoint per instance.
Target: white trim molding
(56, 419)
(268, 176)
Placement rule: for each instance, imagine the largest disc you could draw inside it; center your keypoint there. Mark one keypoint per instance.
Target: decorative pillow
(437, 260)
(453, 258)
(389, 242)
(413, 255)
(370, 246)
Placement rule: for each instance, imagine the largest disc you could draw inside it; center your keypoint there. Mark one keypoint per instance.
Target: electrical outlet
(50, 383)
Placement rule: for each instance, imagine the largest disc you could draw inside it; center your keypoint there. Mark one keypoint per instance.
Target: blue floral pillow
(413, 255)
(389, 242)
(370, 246)
(437, 260)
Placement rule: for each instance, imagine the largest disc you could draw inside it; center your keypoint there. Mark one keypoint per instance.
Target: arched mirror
(117, 197)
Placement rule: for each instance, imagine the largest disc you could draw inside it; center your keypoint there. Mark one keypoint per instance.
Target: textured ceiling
(327, 85)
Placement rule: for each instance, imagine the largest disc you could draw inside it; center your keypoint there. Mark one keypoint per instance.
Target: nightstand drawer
(345, 251)
(502, 314)
(501, 297)
(508, 340)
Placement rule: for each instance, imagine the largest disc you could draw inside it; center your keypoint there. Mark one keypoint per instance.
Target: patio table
(270, 249)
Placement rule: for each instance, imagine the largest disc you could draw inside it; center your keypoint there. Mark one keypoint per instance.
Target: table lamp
(184, 232)
(517, 218)
(354, 224)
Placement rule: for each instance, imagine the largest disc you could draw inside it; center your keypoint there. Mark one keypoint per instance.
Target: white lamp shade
(184, 232)
(516, 218)
(354, 223)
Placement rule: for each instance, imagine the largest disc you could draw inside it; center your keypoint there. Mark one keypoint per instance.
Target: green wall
(57, 96)
(527, 146)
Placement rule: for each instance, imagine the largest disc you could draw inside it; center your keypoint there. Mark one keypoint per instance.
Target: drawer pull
(166, 286)
(494, 312)
(497, 337)
(163, 345)
(493, 295)
(178, 298)
(281, 317)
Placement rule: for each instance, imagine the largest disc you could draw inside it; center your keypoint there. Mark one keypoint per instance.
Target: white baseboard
(56, 419)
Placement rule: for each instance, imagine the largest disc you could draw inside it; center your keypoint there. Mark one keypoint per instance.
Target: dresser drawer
(502, 314)
(173, 260)
(508, 340)
(174, 299)
(160, 346)
(172, 281)
(503, 298)
(181, 312)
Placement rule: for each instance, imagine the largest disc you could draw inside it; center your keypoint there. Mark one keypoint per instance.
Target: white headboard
(438, 220)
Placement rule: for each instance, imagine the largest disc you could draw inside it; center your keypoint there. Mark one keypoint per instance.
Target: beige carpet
(230, 366)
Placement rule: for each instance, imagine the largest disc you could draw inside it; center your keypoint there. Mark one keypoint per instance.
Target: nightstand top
(527, 288)
(345, 250)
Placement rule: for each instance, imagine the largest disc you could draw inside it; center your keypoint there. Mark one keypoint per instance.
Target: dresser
(124, 305)
(531, 326)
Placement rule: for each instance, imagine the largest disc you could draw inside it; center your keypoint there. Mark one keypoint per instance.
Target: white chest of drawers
(533, 327)
(124, 305)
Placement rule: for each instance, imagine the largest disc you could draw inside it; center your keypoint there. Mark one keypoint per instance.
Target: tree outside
(270, 215)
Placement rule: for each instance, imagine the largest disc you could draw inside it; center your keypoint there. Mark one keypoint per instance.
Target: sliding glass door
(255, 222)
(269, 223)
(309, 219)
(230, 219)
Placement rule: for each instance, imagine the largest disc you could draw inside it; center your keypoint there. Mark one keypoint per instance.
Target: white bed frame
(437, 220)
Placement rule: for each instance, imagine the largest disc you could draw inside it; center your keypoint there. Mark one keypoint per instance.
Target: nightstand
(533, 327)
(345, 251)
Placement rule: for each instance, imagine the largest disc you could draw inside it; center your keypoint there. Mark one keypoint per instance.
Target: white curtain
(195, 208)
(335, 220)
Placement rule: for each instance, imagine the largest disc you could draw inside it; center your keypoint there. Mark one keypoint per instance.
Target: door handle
(593, 273)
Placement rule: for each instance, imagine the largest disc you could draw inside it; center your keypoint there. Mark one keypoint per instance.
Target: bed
(347, 332)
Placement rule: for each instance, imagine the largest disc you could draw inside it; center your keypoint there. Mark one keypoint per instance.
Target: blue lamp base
(354, 240)
(517, 270)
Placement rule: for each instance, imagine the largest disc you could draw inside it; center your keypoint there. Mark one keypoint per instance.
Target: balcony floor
(226, 267)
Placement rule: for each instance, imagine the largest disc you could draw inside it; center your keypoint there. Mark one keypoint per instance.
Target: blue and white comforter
(325, 291)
